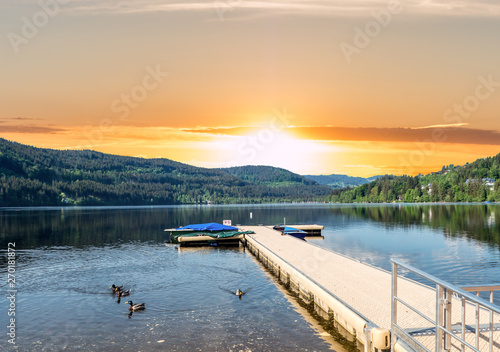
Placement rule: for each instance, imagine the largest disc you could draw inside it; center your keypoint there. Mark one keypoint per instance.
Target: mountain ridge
(341, 181)
(31, 176)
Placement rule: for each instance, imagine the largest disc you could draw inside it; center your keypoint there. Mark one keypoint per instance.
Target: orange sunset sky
(318, 87)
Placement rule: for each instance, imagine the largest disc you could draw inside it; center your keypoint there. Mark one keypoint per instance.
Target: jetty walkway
(358, 296)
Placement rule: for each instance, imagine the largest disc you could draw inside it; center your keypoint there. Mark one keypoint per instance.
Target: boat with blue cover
(206, 234)
(291, 231)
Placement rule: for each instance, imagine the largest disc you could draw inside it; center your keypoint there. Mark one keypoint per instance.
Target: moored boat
(206, 234)
(291, 231)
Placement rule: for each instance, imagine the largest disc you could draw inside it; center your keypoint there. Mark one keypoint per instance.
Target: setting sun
(275, 148)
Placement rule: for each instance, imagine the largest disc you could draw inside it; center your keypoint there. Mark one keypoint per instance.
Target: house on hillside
(427, 187)
(488, 182)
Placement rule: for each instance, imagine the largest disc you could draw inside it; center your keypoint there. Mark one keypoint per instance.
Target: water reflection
(472, 221)
(458, 243)
(76, 227)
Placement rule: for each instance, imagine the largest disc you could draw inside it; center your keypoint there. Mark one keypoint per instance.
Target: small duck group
(120, 292)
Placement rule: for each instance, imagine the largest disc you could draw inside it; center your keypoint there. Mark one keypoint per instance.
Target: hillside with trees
(340, 181)
(268, 175)
(474, 182)
(32, 176)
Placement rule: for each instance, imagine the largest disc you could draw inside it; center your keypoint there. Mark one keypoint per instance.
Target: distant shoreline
(60, 207)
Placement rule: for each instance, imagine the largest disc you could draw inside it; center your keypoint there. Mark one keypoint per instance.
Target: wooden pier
(357, 295)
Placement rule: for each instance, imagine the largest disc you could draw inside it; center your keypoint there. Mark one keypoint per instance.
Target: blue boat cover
(291, 229)
(211, 226)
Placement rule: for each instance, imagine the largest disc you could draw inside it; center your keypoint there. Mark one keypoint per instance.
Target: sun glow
(274, 148)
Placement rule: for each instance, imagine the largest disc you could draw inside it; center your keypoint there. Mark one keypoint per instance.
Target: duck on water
(137, 306)
(115, 289)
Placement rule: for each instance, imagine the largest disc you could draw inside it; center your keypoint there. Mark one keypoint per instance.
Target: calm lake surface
(66, 259)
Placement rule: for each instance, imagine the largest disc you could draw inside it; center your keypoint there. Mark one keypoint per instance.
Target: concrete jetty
(357, 295)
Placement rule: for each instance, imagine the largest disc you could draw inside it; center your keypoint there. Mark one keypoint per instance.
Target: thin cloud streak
(305, 7)
(454, 135)
(30, 129)
(18, 119)
(441, 126)
(457, 135)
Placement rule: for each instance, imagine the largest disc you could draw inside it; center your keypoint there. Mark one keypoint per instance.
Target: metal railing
(446, 295)
(478, 289)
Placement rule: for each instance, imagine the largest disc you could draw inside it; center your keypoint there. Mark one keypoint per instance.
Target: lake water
(66, 259)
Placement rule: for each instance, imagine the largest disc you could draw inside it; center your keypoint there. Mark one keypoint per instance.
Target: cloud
(30, 129)
(450, 134)
(438, 133)
(231, 131)
(299, 7)
(23, 125)
(441, 126)
(3, 119)
(455, 135)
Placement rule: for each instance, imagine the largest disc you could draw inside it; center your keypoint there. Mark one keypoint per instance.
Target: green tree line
(43, 177)
(474, 182)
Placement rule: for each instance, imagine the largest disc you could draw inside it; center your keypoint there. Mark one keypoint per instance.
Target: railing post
(394, 306)
(463, 323)
(477, 323)
(439, 317)
(491, 322)
(447, 318)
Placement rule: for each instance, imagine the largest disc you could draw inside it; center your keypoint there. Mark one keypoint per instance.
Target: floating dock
(311, 230)
(209, 240)
(356, 295)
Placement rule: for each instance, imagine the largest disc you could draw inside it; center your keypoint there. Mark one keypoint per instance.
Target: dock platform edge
(314, 293)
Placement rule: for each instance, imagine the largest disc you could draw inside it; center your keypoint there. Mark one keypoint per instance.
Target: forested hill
(340, 181)
(268, 175)
(475, 182)
(41, 177)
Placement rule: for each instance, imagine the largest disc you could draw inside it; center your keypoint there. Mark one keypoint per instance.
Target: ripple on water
(65, 301)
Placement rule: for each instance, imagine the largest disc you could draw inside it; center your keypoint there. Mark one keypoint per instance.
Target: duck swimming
(122, 293)
(239, 293)
(134, 307)
(116, 288)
